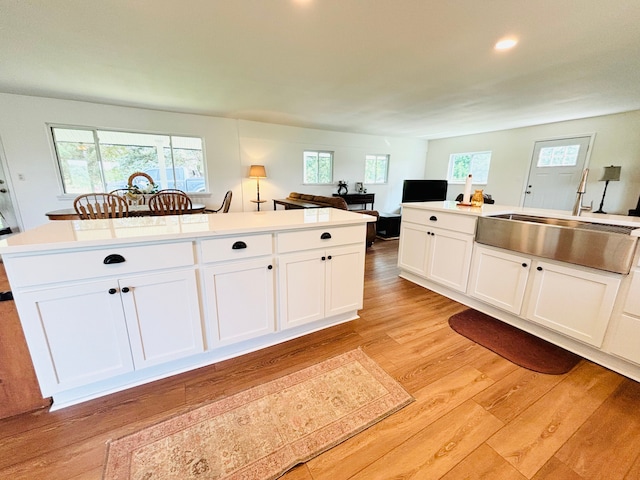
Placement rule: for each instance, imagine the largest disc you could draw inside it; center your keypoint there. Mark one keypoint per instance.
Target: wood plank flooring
(476, 415)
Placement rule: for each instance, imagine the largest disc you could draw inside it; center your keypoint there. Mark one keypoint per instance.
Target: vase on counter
(477, 199)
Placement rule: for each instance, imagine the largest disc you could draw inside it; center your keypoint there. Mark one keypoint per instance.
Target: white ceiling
(415, 68)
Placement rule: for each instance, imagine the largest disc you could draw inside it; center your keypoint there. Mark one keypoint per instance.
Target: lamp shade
(611, 174)
(257, 171)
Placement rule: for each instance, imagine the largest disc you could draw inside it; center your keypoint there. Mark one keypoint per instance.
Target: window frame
(95, 130)
(476, 180)
(304, 166)
(378, 156)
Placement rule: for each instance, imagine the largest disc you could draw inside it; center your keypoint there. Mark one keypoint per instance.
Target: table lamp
(611, 174)
(257, 172)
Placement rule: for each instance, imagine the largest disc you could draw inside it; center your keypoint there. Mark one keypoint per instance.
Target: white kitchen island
(109, 304)
(589, 311)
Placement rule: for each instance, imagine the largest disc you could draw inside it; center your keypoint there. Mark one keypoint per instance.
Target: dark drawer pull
(524, 265)
(239, 245)
(433, 218)
(539, 269)
(125, 290)
(270, 267)
(113, 258)
(112, 291)
(325, 236)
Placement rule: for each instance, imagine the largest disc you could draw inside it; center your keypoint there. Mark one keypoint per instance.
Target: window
(474, 163)
(376, 168)
(92, 160)
(561, 156)
(318, 167)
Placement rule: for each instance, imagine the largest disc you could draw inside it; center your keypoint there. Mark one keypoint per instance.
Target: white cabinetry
(499, 278)
(575, 301)
(320, 282)
(437, 246)
(80, 332)
(625, 339)
(239, 287)
(76, 334)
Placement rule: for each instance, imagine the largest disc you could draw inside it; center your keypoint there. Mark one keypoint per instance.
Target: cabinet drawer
(237, 247)
(81, 264)
(448, 221)
(309, 239)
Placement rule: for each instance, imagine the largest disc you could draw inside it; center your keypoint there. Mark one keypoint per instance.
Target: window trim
(386, 173)
(56, 160)
(304, 152)
(451, 181)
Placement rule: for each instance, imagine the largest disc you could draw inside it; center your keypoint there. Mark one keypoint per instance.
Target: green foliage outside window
(318, 167)
(474, 163)
(376, 169)
(93, 160)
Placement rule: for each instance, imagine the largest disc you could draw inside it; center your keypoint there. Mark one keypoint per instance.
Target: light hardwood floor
(476, 415)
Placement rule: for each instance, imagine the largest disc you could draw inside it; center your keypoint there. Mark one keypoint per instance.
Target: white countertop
(493, 209)
(64, 234)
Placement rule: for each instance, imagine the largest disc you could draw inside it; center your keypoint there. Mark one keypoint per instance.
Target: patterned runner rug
(264, 431)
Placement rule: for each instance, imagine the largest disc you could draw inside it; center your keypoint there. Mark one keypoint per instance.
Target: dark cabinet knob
(113, 258)
(323, 258)
(125, 289)
(329, 257)
(270, 267)
(539, 269)
(433, 218)
(525, 265)
(239, 246)
(112, 291)
(325, 236)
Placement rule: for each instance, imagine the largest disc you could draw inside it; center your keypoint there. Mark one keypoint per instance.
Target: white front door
(556, 168)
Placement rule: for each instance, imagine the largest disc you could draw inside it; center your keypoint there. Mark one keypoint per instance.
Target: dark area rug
(513, 344)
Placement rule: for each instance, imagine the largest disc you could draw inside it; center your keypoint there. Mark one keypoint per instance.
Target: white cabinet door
(574, 301)
(163, 316)
(77, 334)
(239, 299)
(320, 283)
(344, 283)
(449, 258)
(499, 278)
(413, 248)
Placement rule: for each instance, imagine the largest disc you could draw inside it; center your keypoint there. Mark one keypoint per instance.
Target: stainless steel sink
(597, 245)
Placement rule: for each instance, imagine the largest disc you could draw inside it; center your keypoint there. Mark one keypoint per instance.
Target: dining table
(134, 211)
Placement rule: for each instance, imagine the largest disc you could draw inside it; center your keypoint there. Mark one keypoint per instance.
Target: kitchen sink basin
(597, 245)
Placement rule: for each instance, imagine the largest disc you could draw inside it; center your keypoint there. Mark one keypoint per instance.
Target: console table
(358, 198)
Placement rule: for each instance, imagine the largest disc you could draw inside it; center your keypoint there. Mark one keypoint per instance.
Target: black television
(424, 190)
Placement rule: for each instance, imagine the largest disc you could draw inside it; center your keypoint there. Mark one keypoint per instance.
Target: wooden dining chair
(100, 205)
(130, 196)
(226, 203)
(170, 203)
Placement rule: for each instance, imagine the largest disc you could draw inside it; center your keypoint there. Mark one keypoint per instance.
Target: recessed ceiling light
(506, 44)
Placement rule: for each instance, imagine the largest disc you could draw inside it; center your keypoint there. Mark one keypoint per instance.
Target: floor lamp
(257, 172)
(611, 174)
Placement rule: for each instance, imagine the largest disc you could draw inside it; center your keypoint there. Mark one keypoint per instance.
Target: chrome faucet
(582, 188)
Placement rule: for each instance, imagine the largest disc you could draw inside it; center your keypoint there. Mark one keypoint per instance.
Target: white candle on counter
(466, 196)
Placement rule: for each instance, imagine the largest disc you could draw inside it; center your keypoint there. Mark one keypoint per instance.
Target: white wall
(230, 145)
(280, 149)
(617, 142)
